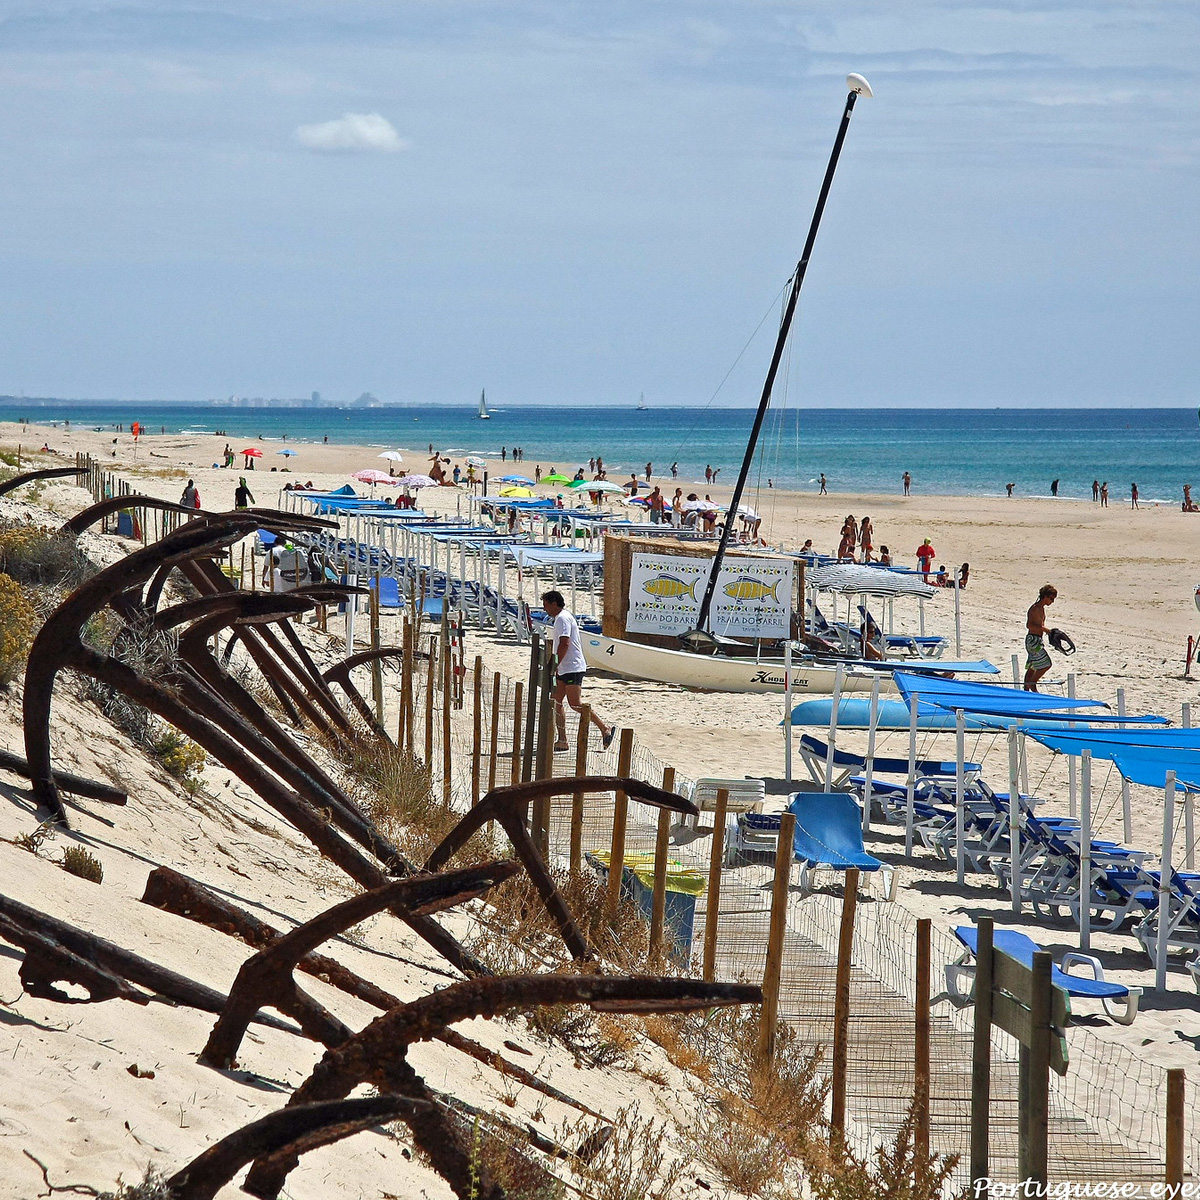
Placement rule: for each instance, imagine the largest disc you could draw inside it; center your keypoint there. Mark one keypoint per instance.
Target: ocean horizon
(968, 451)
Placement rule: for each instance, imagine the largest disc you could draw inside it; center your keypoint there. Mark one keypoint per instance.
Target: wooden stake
(1033, 1098)
(981, 1057)
(712, 909)
(376, 664)
(430, 677)
(447, 701)
(841, 1006)
(616, 861)
(1176, 1082)
(518, 706)
(768, 1015)
(662, 843)
(921, 1047)
(581, 760)
(477, 731)
(494, 744)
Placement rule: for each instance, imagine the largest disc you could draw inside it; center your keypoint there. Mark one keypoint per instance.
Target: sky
(574, 203)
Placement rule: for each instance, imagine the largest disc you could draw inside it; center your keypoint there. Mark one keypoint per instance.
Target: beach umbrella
(638, 500)
(287, 453)
(473, 460)
(599, 485)
(519, 479)
(551, 478)
(699, 506)
(373, 477)
(416, 481)
(579, 484)
(744, 510)
(516, 493)
(251, 452)
(392, 456)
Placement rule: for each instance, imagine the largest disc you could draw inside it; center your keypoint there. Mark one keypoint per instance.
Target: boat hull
(712, 673)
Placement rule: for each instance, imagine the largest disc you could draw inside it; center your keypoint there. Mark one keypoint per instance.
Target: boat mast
(700, 637)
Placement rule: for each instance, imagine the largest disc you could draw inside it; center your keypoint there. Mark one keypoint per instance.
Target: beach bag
(1061, 641)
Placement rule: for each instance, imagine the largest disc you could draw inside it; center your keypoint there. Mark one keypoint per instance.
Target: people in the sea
(925, 556)
(674, 470)
(1008, 487)
(1133, 495)
(1054, 487)
(1104, 494)
(569, 668)
(1037, 660)
(1095, 490)
(907, 482)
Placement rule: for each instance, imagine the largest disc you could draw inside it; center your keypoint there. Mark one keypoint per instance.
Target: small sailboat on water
(642, 406)
(483, 414)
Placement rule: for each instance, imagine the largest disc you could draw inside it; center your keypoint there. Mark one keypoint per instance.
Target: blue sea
(948, 451)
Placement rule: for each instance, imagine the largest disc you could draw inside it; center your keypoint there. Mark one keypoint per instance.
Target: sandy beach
(1125, 584)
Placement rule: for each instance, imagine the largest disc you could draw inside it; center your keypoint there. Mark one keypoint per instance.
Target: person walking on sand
(1133, 495)
(1104, 494)
(1095, 490)
(907, 482)
(1054, 487)
(191, 496)
(570, 668)
(1037, 659)
(823, 491)
(242, 497)
(925, 556)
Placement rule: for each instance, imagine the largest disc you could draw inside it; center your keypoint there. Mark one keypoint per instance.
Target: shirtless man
(1037, 660)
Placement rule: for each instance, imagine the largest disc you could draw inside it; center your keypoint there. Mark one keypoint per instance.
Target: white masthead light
(856, 83)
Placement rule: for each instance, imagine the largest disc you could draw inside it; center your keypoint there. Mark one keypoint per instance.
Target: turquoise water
(948, 451)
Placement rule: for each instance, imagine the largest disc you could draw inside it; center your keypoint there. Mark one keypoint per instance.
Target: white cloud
(353, 132)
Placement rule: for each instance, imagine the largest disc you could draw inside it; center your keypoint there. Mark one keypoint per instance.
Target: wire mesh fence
(1107, 1118)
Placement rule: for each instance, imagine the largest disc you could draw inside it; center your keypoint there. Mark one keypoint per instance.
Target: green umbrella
(555, 479)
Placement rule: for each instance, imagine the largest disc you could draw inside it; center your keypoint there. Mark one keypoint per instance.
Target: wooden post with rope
(712, 903)
(616, 860)
(581, 761)
(768, 1016)
(658, 898)
(841, 1007)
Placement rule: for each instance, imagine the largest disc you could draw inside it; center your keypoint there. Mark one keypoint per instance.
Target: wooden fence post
(447, 702)
(1176, 1082)
(1034, 1081)
(712, 903)
(841, 1006)
(581, 760)
(477, 730)
(376, 664)
(768, 1014)
(662, 843)
(616, 860)
(518, 705)
(981, 1056)
(921, 1047)
(494, 743)
(430, 677)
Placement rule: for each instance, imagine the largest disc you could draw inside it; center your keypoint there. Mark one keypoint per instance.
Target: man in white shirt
(570, 669)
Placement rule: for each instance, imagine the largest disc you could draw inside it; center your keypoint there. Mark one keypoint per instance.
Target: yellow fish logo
(668, 587)
(748, 588)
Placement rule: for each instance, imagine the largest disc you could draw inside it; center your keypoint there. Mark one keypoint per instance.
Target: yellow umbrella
(516, 493)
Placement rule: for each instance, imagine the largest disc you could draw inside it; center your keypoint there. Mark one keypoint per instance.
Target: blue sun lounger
(1120, 1002)
(828, 837)
(813, 751)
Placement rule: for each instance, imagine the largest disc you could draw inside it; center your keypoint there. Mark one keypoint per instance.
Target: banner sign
(753, 597)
